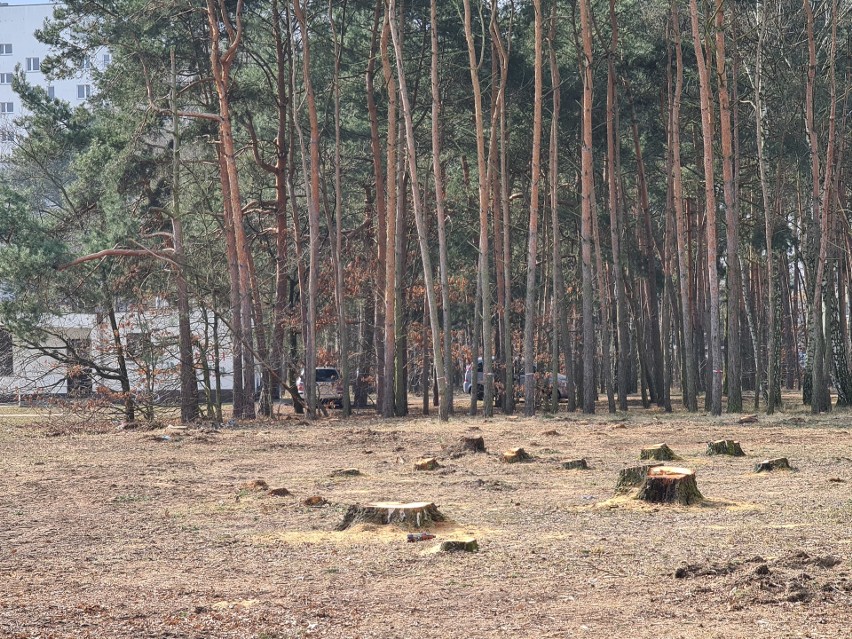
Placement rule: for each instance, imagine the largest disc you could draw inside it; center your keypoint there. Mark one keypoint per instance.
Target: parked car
(544, 383)
(330, 387)
(499, 387)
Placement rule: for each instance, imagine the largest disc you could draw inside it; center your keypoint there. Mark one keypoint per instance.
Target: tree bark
(715, 390)
(483, 186)
(313, 219)
(532, 245)
(732, 218)
(689, 393)
(587, 194)
(440, 205)
(419, 217)
(622, 319)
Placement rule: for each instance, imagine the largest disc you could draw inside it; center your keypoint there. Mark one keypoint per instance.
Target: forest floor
(162, 533)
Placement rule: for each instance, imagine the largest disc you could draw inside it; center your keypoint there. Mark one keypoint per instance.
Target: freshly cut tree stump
(459, 545)
(633, 477)
(725, 447)
(467, 444)
(418, 514)
(670, 485)
(781, 463)
(575, 464)
(427, 463)
(515, 455)
(660, 452)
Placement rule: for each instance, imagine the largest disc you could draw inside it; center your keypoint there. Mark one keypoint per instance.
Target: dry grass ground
(137, 534)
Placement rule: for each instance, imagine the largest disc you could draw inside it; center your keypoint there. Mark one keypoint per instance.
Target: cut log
(575, 464)
(725, 447)
(748, 419)
(418, 514)
(346, 472)
(767, 465)
(633, 477)
(467, 444)
(459, 545)
(279, 492)
(660, 452)
(427, 463)
(670, 485)
(515, 455)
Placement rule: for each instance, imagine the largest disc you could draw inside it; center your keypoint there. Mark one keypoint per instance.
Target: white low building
(75, 349)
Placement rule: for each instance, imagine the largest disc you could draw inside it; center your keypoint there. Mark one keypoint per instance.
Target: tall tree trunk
(381, 208)
(508, 354)
(689, 393)
(313, 219)
(388, 398)
(732, 218)
(221, 62)
(821, 399)
(188, 382)
(440, 205)
(622, 319)
(561, 336)
(710, 209)
(532, 245)
(419, 218)
(338, 213)
(587, 195)
(769, 225)
(484, 205)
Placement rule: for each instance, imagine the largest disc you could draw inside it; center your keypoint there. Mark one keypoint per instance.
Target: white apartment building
(19, 47)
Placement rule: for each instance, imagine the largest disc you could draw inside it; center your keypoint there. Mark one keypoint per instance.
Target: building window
(86, 63)
(7, 107)
(51, 92)
(7, 362)
(84, 91)
(5, 78)
(5, 49)
(6, 137)
(107, 59)
(33, 64)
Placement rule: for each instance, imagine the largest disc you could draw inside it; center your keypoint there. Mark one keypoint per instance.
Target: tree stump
(346, 472)
(670, 484)
(467, 444)
(767, 465)
(459, 545)
(575, 464)
(725, 447)
(633, 477)
(418, 514)
(515, 455)
(315, 501)
(659, 452)
(427, 463)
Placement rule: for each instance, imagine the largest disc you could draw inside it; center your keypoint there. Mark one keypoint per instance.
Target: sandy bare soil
(108, 533)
